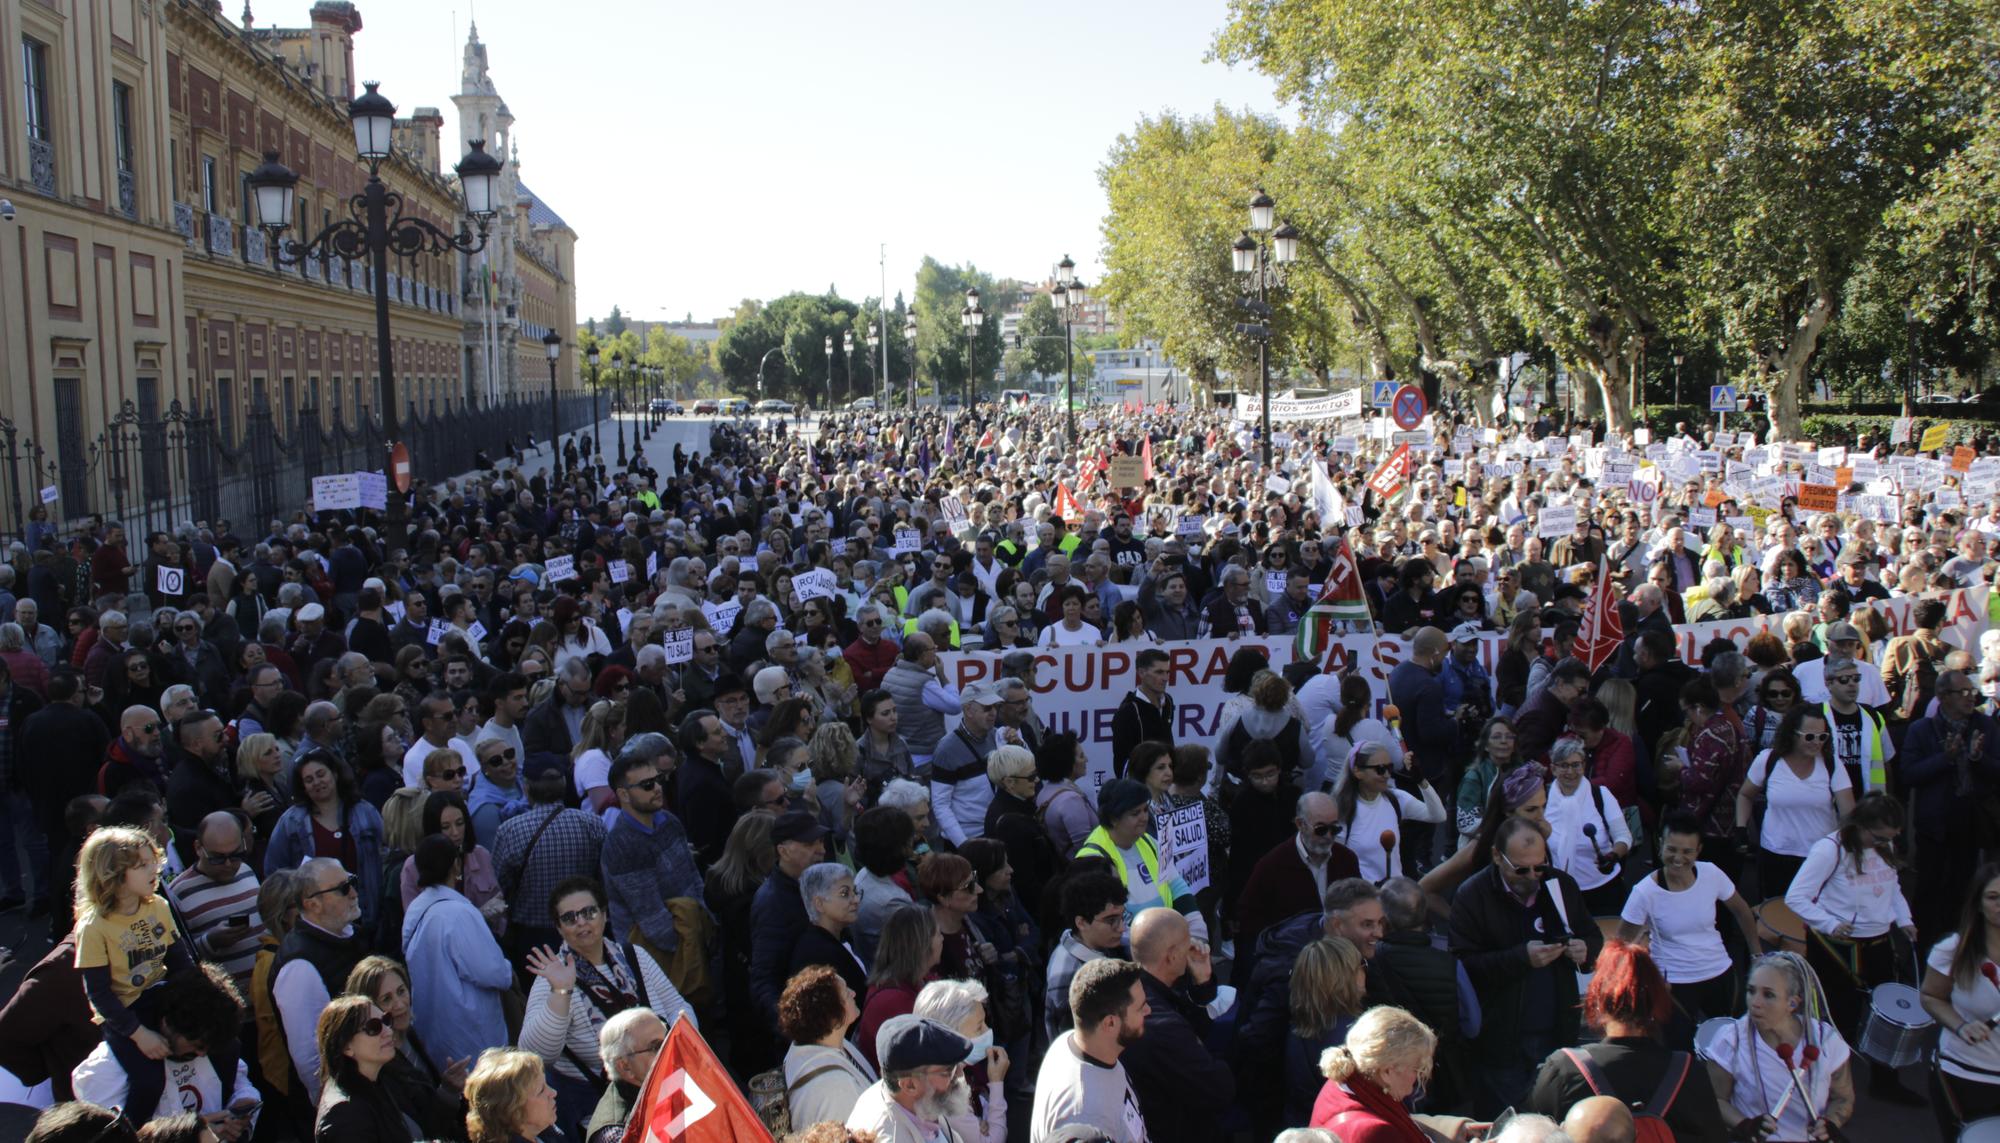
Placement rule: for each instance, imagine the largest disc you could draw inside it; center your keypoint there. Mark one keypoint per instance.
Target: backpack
(771, 1096)
(1920, 685)
(1650, 1117)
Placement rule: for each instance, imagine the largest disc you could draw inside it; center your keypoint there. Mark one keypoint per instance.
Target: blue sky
(705, 153)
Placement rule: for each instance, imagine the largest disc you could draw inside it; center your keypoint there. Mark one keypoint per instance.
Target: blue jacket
(777, 917)
(457, 973)
(1419, 699)
(1933, 777)
(491, 804)
(291, 843)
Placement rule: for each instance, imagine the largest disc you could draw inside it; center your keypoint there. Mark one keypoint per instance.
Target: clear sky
(706, 153)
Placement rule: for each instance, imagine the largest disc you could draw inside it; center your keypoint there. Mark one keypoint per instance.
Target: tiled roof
(539, 212)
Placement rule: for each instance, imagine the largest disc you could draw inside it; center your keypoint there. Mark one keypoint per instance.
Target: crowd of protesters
(351, 831)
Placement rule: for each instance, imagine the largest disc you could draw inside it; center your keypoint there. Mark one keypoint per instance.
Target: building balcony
(42, 165)
(221, 236)
(128, 193)
(184, 222)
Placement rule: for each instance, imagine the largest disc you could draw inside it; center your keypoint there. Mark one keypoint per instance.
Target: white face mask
(979, 1045)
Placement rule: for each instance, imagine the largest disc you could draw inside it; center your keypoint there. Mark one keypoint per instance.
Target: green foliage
(787, 339)
(1840, 429)
(615, 324)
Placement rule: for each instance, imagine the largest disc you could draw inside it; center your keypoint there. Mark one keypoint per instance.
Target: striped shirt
(209, 905)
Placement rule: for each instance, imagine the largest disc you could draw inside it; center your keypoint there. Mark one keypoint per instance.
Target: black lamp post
(1070, 295)
(596, 422)
(829, 373)
(376, 228)
(910, 336)
(971, 318)
(552, 341)
(1250, 256)
(881, 382)
(1678, 358)
(847, 359)
(618, 403)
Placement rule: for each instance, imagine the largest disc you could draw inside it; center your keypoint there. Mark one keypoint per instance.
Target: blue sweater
(457, 973)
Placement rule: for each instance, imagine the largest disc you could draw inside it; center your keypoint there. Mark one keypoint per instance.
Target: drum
(1711, 1031)
(1779, 928)
(1981, 1131)
(1898, 1031)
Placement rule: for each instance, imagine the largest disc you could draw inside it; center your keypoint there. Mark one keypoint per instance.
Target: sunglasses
(226, 858)
(506, 755)
(184, 628)
(1781, 694)
(1843, 679)
(458, 772)
(646, 784)
(373, 1026)
(1376, 769)
(1808, 736)
(578, 916)
(347, 886)
(1325, 829)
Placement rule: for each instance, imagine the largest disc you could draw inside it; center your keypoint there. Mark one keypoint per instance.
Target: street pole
(1678, 358)
(553, 341)
(1069, 378)
(1264, 361)
(829, 374)
(617, 400)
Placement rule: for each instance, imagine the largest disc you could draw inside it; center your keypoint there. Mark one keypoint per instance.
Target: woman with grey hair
(23, 665)
(1588, 835)
(832, 904)
(961, 1006)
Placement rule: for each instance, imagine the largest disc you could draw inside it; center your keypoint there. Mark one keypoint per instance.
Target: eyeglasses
(1325, 829)
(579, 916)
(373, 1026)
(1843, 679)
(1377, 769)
(347, 886)
(457, 772)
(1781, 694)
(622, 689)
(225, 858)
(1544, 870)
(971, 886)
(1809, 736)
(646, 784)
(184, 628)
(1958, 691)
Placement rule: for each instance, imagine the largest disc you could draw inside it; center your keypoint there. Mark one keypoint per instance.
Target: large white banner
(1078, 689)
(1336, 407)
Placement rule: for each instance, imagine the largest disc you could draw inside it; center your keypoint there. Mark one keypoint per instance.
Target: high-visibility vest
(1099, 842)
(1875, 771)
(910, 628)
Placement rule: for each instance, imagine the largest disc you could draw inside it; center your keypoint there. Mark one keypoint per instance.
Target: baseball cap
(797, 826)
(1465, 633)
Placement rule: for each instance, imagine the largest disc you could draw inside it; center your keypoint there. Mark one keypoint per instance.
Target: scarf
(1578, 808)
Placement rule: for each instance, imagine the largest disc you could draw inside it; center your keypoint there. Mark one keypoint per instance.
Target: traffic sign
(1384, 394)
(1722, 398)
(1409, 407)
(399, 466)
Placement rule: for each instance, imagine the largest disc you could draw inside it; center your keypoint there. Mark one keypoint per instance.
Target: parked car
(667, 405)
(771, 406)
(707, 407)
(862, 405)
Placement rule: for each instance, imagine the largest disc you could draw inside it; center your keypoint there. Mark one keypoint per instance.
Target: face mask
(802, 781)
(923, 847)
(979, 1045)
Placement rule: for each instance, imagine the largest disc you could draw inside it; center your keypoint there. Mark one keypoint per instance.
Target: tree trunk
(1614, 391)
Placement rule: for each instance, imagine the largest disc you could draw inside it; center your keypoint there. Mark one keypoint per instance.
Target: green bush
(1833, 430)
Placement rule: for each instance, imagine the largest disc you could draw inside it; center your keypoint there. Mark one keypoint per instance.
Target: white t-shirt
(192, 1085)
(592, 770)
(1371, 820)
(1056, 635)
(1977, 1062)
(1685, 943)
(1761, 1081)
(1797, 811)
(1569, 847)
(1071, 1089)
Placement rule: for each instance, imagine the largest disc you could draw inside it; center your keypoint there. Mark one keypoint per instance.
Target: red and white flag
(1066, 505)
(1601, 631)
(1146, 459)
(1388, 479)
(688, 1097)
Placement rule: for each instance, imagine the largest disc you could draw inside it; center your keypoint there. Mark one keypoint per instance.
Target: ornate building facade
(134, 280)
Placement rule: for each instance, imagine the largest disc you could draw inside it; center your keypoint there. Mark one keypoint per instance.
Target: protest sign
(1556, 522)
(1127, 472)
(170, 580)
(340, 490)
(679, 645)
(815, 584)
(1934, 438)
(620, 571)
(1185, 832)
(561, 568)
(721, 615)
(1818, 498)
(907, 540)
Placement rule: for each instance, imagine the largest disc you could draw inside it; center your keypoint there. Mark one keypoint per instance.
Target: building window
(123, 140)
(208, 192)
(225, 410)
(35, 98)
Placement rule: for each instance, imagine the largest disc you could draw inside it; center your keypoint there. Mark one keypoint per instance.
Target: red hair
(1628, 988)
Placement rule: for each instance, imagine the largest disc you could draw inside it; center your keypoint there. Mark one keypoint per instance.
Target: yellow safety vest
(1099, 842)
(910, 628)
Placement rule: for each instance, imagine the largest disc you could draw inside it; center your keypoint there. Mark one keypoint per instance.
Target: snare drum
(1898, 1031)
(1709, 1033)
(1981, 1131)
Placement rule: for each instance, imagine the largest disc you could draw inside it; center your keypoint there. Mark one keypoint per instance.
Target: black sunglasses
(646, 784)
(577, 916)
(226, 858)
(373, 1026)
(457, 772)
(1325, 829)
(347, 886)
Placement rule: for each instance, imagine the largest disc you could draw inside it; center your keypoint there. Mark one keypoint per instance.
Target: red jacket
(1614, 765)
(1281, 887)
(870, 664)
(1376, 1120)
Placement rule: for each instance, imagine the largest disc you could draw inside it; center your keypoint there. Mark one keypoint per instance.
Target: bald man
(217, 896)
(1292, 878)
(1183, 1088)
(134, 756)
(1601, 1119)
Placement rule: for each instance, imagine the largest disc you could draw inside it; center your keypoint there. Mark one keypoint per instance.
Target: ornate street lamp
(376, 228)
(1070, 296)
(552, 341)
(971, 318)
(1250, 256)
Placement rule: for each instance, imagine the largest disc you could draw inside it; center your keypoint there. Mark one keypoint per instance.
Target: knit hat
(1121, 796)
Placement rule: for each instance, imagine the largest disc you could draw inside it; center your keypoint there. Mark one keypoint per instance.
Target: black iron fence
(156, 473)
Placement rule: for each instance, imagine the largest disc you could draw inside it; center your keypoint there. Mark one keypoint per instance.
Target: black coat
(777, 917)
(356, 1110)
(817, 946)
(1489, 934)
(71, 741)
(1183, 1088)
(1014, 823)
(1136, 721)
(1221, 617)
(544, 731)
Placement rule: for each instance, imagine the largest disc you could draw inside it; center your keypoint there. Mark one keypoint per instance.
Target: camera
(6, 210)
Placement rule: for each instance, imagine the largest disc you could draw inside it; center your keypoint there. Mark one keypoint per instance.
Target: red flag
(1066, 505)
(1388, 479)
(985, 440)
(688, 1097)
(1601, 631)
(1146, 460)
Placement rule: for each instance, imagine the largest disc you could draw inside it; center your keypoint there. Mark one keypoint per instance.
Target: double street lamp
(910, 337)
(971, 318)
(880, 382)
(618, 403)
(596, 422)
(1251, 257)
(829, 373)
(1070, 296)
(375, 227)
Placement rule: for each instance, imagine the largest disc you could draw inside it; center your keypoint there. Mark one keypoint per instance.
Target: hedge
(1832, 430)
